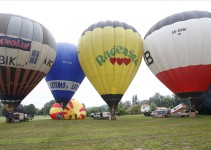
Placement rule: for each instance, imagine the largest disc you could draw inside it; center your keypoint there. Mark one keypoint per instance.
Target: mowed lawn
(131, 132)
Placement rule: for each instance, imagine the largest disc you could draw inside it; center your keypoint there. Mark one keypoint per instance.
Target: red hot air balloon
(177, 51)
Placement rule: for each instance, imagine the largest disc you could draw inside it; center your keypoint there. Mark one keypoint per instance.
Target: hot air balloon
(27, 52)
(66, 75)
(110, 54)
(177, 51)
(55, 111)
(74, 110)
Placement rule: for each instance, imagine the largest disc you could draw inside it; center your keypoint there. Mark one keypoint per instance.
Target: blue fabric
(65, 68)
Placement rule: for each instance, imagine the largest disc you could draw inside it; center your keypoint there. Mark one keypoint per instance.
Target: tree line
(31, 109)
(133, 106)
(127, 107)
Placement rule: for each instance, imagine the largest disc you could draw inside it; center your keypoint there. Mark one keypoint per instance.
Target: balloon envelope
(177, 51)
(74, 110)
(56, 109)
(110, 54)
(66, 74)
(27, 52)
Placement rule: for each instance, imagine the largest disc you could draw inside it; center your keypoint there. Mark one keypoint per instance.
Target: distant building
(145, 108)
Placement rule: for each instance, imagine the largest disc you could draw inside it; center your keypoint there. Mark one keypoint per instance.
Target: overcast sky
(66, 20)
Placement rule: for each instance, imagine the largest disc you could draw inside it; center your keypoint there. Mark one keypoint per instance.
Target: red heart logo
(120, 60)
(112, 60)
(127, 61)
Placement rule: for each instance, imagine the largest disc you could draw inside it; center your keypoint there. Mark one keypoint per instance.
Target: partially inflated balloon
(177, 50)
(66, 75)
(110, 54)
(27, 52)
(74, 110)
(56, 109)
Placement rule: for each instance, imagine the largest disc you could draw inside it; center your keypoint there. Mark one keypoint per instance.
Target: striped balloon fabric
(74, 110)
(55, 111)
(27, 52)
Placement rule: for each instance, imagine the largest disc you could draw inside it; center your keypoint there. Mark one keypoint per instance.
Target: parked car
(20, 117)
(147, 114)
(160, 113)
(102, 115)
(92, 115)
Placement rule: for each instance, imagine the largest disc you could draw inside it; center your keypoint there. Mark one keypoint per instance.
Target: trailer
(177, 111)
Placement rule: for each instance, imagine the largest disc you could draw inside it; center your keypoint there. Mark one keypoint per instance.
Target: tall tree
(135, 99)
(30, 109)
(47, 106)
(20, 109)
(153, 106)
(121, 104)
(121, 111)
(136, 109)
(127, 104)
(167, 101)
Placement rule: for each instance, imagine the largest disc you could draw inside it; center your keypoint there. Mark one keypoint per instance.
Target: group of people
(60, 116)
(8, 115)
(112, 115)
(70, 117)
(193, 109)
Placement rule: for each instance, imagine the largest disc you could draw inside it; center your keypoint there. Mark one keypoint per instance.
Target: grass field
(134, 132)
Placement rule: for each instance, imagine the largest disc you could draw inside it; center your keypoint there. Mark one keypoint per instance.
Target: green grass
(128, 133)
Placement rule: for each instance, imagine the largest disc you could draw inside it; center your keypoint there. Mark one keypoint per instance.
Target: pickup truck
(160, 113)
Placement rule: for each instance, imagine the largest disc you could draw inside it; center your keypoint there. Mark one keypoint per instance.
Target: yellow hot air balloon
(110, 54)
(74, 110)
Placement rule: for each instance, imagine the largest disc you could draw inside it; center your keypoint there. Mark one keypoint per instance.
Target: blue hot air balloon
(66, 74)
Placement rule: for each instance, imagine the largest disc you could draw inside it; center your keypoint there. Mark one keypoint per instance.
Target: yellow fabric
(55, 110)
(75, 110)
(10, 107)
(97, 50)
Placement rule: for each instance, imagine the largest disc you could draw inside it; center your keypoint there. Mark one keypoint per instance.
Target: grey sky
(66, 20)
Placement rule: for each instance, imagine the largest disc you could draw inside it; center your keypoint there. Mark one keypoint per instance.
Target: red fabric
(186, 79)
(83, 116)
(82, 109)
(53, 116)
(70, 103)
(56, 105)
